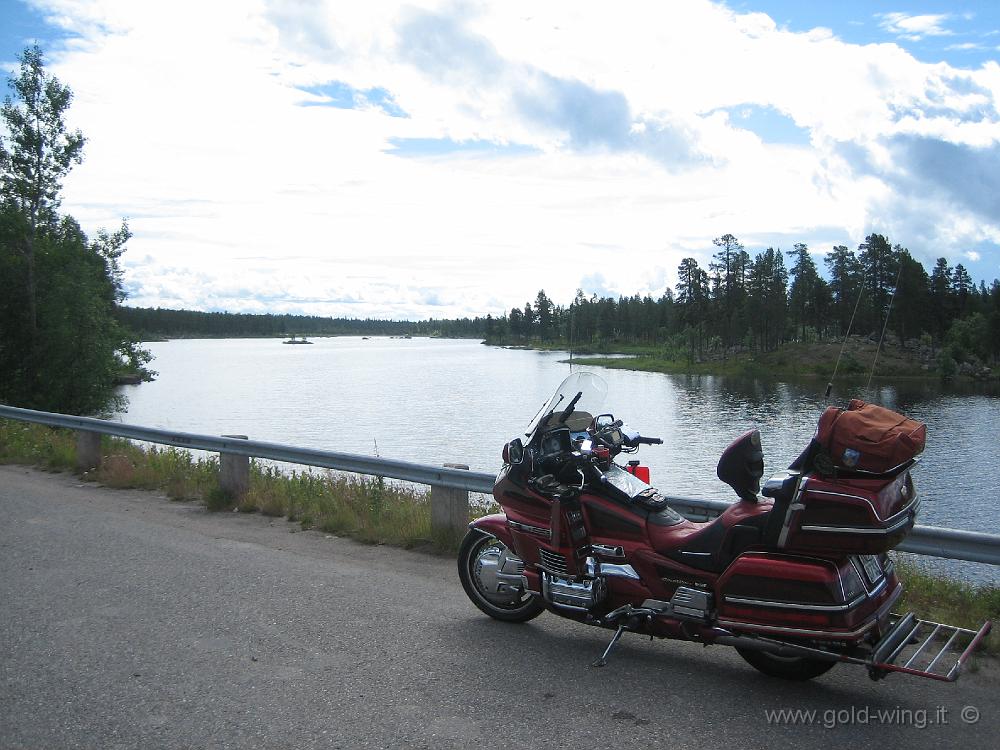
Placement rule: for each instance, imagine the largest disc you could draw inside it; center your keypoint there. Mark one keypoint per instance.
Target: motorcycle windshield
(581, 394)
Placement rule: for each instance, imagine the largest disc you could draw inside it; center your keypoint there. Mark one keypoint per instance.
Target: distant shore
(161, 337)
(792, 360)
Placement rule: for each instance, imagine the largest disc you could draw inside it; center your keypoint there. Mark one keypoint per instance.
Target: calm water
(442, 401)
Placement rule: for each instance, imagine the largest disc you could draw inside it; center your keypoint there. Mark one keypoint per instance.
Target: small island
(295, 340)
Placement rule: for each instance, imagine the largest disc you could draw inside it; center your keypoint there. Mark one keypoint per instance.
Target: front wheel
(798, 668)
(480, 558)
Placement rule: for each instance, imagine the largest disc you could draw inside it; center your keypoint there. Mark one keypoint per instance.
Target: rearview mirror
(603, 421)
(513, 452)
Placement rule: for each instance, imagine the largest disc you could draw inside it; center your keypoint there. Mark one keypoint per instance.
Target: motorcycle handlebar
(633, 439)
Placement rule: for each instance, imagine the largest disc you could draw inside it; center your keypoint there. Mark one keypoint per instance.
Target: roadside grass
(370, 509)
(37, 445)
(374, 510)
(174, 471)
(950, 601)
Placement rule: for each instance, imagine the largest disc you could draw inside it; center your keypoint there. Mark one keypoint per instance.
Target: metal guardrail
(404, 470)
(934, 541)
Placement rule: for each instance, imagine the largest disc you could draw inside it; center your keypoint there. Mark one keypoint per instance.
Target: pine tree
(61, 344)
(806, 294)
(879, 266)
(692, 298)
(845, 285)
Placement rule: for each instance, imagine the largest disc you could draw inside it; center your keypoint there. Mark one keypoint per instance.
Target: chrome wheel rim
(486, 562)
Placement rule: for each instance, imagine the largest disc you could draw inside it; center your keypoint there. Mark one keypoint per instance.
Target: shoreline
(796, 360)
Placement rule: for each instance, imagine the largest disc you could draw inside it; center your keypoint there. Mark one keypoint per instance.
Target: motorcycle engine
(582, 594)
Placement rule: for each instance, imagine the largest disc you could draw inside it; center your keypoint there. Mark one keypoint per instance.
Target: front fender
(494, 524)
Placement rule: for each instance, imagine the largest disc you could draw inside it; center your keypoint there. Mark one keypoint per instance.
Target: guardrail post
(88, 450)
(234, 472)
(449, 507)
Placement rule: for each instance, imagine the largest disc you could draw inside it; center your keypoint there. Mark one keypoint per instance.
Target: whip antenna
(571, 338)
(884, 325)
(829, 386)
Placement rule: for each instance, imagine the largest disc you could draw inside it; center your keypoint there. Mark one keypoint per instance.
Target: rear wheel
(799, 668)
(480, 558)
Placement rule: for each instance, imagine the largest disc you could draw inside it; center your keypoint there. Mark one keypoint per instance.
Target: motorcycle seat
(712, 545)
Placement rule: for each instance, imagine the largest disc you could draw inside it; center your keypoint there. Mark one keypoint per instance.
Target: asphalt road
(129, 621)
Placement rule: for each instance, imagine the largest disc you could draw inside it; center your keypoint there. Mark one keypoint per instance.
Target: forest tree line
(156, 322)
(160, 322)
(739, 303)
(757, 303)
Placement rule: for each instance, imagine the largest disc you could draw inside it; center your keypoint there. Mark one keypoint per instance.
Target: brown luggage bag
(867, 437)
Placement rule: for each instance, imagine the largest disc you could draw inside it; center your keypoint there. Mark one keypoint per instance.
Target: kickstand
(603, 661)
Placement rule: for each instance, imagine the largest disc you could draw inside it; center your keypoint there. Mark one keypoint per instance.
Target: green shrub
(37, 445)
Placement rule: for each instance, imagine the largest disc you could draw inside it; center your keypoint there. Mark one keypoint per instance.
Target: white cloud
(914, 28)
(973, 256)
(241, 198)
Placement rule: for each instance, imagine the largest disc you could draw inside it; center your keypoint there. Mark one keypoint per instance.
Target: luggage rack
(924, 648)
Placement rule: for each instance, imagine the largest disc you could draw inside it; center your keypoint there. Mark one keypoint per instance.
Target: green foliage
(60, 344)
(370, 509)
(218, 499)
(879, 264)
(760, 313)
(947, 367)
(177, 472)
(157, 322)
(809, 297)
(850, 366)
(36, 445)
(941, 599)
(969, 337)
(366, 508)
(42, 150)
(744, 306)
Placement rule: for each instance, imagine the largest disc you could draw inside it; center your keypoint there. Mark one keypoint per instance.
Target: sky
(432, 159)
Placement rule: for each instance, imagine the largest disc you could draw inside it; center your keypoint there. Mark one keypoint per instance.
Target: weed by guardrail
(946, 600)
(370, 509)
(26, 443)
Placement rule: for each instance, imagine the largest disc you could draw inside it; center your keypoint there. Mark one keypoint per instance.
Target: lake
(439, 401)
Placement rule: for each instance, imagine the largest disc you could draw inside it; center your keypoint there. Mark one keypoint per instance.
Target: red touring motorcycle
(796, 580)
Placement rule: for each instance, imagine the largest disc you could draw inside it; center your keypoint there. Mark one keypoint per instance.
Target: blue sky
(962, 34)
(19, 24)
(443, 158)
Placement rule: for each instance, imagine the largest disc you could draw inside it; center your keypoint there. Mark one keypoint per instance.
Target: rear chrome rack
(924, 648)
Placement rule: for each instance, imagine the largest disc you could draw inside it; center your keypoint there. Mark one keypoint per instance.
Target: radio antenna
(885, 325)
(829, 386)
(571, 338)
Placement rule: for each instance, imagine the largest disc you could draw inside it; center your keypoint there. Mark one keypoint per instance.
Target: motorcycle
(796, 575)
